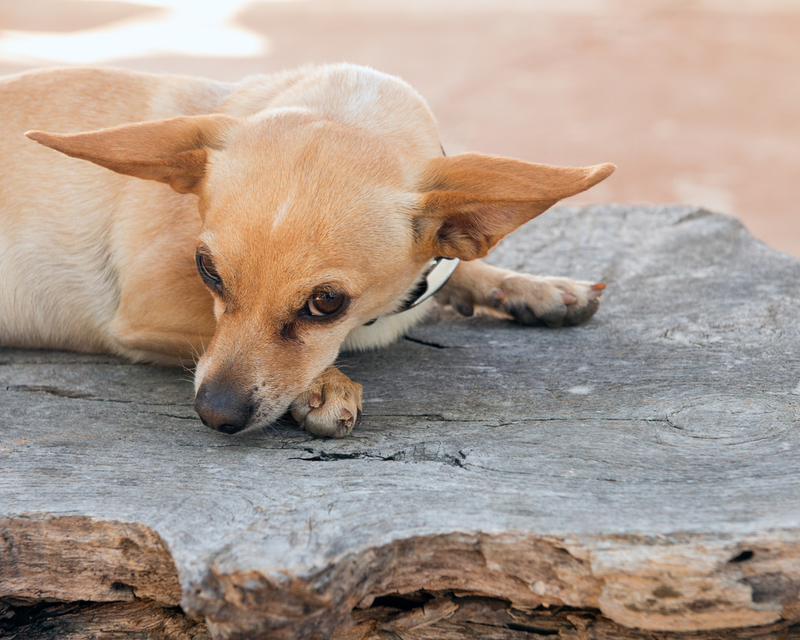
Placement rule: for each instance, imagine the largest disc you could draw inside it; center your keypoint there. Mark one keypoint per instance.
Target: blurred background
(696, 101)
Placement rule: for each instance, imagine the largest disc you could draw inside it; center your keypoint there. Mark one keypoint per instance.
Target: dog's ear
(471, 201)
(172, 151)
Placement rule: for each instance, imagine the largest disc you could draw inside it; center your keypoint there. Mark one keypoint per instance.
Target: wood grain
(641, 470)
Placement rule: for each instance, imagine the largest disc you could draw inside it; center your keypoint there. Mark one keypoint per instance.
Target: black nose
(224, 405)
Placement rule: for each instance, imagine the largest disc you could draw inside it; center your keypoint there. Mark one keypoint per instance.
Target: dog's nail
(498, 297)
(346, 417)
(596, 290)
(569, 298)
(315, 401)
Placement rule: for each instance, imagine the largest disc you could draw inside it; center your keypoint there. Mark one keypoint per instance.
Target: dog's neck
(435, 276)
(411, 309)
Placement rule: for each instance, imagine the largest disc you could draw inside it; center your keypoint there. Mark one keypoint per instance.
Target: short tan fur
(310, 202)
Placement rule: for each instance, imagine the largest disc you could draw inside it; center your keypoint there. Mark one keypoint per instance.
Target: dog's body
(322, 196)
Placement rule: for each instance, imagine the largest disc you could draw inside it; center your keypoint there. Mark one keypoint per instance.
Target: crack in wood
(428, 343)
(49, 390)
(75, 394)
(177, 417)
(323, 456)
(405, 455)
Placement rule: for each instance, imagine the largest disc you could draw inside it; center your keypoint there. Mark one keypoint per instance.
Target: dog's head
(311, 227)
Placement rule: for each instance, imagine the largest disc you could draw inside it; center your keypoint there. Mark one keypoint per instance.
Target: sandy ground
(696, 101)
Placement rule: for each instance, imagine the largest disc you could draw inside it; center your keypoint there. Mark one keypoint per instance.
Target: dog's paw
(554, 302)
(332, 407)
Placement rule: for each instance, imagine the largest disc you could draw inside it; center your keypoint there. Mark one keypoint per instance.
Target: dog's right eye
(205, 265)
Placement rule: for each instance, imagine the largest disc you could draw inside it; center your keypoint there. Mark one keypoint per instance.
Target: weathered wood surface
(645, 465)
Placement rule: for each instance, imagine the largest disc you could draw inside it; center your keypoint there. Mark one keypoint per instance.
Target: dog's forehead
(305, 198)
(300, 146)
(299, 175)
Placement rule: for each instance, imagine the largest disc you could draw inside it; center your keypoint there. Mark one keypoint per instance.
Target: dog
(263, 226)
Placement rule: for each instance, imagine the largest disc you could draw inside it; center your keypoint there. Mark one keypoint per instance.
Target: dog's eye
(325, 303)
(205, 265)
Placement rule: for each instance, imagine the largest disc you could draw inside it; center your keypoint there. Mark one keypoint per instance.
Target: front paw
(332, 407)
(552, 302)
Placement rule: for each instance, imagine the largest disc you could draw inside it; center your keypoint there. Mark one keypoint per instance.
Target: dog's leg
(331, 407)
(530, 300)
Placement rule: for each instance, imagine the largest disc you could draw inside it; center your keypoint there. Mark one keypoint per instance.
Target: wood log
(136, 620)
(635, 477)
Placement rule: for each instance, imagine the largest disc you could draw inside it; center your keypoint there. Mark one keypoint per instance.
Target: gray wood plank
(645, 464)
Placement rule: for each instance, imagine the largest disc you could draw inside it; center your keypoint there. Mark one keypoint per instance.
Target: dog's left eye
(325, 303)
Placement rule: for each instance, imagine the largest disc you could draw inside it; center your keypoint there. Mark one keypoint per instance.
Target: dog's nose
(223, 405)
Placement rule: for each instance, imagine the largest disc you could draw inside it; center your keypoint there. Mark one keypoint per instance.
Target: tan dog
(323, 195)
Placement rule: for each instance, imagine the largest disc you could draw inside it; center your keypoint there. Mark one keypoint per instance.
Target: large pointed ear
(174, 151)
(471, 201)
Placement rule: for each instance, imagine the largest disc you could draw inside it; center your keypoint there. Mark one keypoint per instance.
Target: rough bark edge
(444, 616)
(141, 619)
(77, 558)
(681, 583)
(418, 616)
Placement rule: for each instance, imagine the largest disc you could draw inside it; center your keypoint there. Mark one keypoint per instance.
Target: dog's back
(60, 245)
